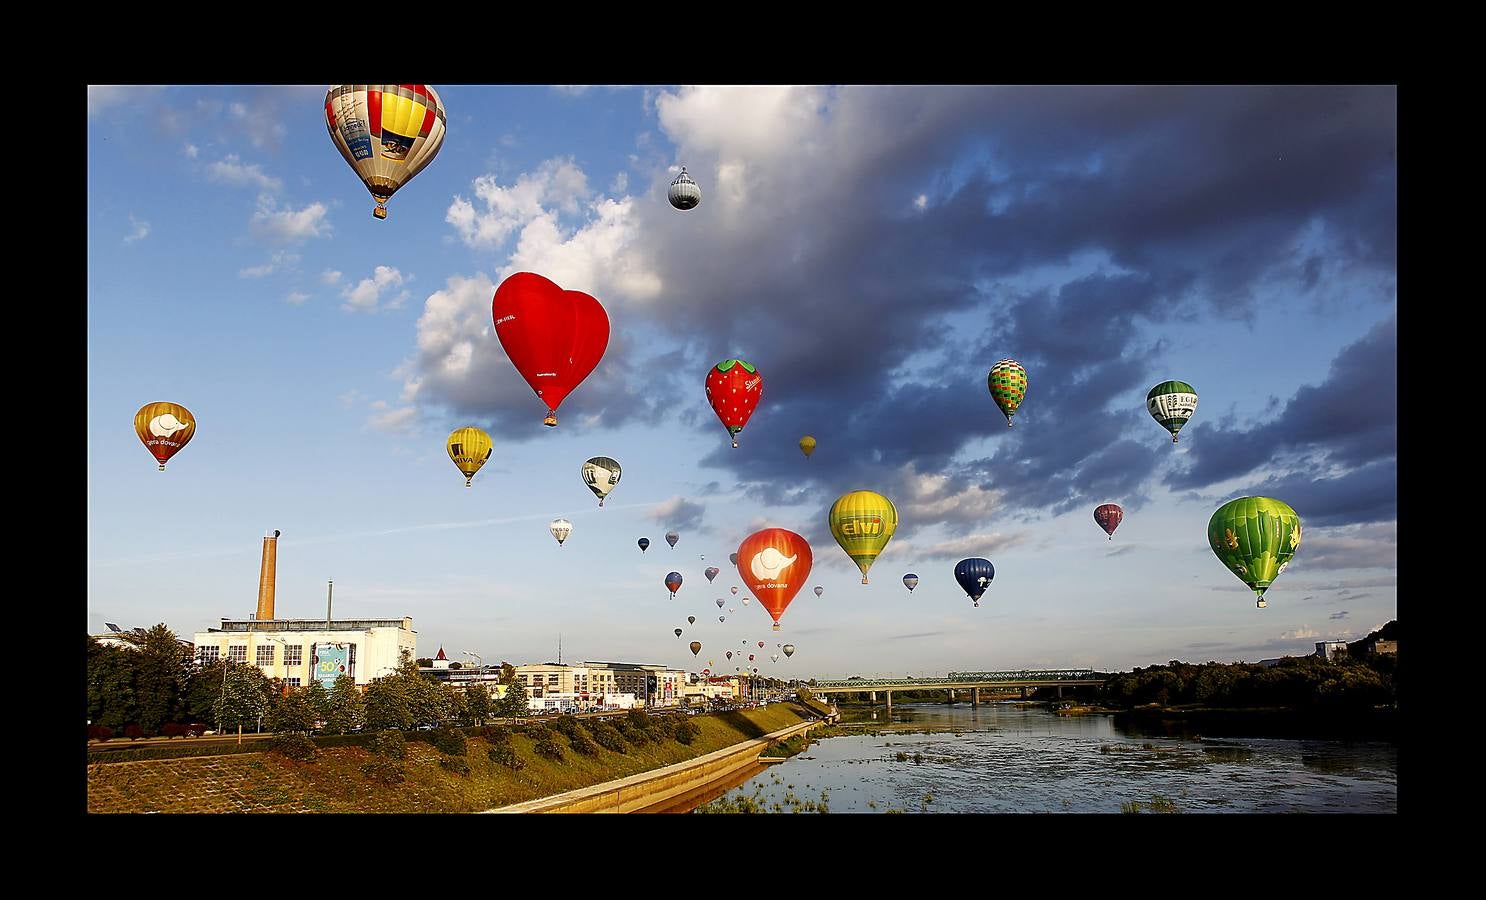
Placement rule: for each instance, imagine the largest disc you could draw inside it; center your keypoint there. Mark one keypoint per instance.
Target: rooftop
(244, 625)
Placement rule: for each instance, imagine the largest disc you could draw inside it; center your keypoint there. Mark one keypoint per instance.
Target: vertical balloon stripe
(374, 106)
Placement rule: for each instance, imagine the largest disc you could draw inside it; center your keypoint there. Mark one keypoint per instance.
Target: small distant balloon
(1109, 516)
(560, 529)
(696, 647)
(819, 590)
(807, 445)
(910, 581)
(684, 193)
(164, 428)
(671, 538)
(469, 448)
(1172, 404)
(721, 603)
(601, 474)
(733, 558)
(789, 649)
(711, 572)
(644, 544)
(1007, 382)
(691, 620)
(974, 576)
(673, 583)
(678, 632)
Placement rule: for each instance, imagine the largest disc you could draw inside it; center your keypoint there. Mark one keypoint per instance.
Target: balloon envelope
(601, 474)
(560, 529)
(1172, 404)
(775, 564)
(554, 337)
(678, 632)
(862, 523)
(164, 428)
(734, 388)
(720, 603)
(672, 537)
(387, 133)
(711, 572)
(1109, 516)
(469, 448)
(673, 582)
(910, 581)
(696, 647)
(789, 649)
(1007, 382)
(819, 590)
(1255, 537)
(691, 620)
(974, 576)
(644, 544)
(807, 445)
(733, 558)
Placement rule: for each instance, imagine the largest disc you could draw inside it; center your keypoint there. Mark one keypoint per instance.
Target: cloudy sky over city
(872, 250)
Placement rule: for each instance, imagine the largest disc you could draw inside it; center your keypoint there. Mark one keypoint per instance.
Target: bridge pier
(951, 695)
(1060, 691)
(1024, 693)
(889, 703)
(874, 698)
(975, 696)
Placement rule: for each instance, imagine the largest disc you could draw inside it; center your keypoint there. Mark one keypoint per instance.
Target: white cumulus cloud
(366, 295)
(232, 170)
(287, 224)
(138, 230)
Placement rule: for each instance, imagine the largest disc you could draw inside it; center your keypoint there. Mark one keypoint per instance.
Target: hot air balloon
(910, 581)
(554, 337)
(469, 448)
(735, 587)
(691, 620)
(1255, 537)
(673, 582)
(164, 428)
(678, 632)
(706, 671)
(731, 610)
(644, 544)
(387, 133)
(734, 388)
(733, 558)
(779, 645)
(744, 642)
(684, 193)
(974, 575)
(773, 657)
(696, 647)
(671, 538)
(819, 590)
(601, 474)
(807, 445)
(1172, 403)
(789, 649)
(775, 564)
(745, 601)
(761, 645)
(750, 657)
(720, 603)
(722, 618)
(711, 573)
(1109, 516)
(863, 522)
(729, 654)
(560, 529)
(1008, 384)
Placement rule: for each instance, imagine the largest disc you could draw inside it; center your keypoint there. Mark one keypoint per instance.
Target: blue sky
(872, 250)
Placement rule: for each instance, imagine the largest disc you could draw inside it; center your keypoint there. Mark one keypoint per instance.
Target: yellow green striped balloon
(862, 523)
(1008, 384)
(1255, 537)
(469, 448)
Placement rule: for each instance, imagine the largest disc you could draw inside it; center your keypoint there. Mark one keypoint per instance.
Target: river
(1005, 758)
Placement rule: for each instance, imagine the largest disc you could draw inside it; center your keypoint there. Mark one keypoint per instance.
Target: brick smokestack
(266, 577)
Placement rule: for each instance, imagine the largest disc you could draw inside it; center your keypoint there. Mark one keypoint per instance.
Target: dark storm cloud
(679, 512)
(815, 265)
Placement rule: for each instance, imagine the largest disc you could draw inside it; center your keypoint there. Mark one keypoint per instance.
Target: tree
(244, 697)
(477, 703)
(388, 705)
(319, 701)
(507, 673)
(203, 687)
(160, 677)
(111, 685)
(345, 710)
(425, 662)
(292, 713)
(514, 703)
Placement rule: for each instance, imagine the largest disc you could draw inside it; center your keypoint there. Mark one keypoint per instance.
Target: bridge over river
(1021, 679)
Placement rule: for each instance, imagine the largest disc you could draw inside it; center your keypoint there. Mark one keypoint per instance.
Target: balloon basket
(380, 212)
(467, 482)
(776, 626)
(735, 443)
(551, 420)
(162, 467)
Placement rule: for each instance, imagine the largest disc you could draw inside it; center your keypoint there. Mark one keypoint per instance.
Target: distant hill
(1388, 632)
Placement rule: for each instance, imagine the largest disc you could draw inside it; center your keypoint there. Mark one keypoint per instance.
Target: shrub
(133, 732)
(504, 754)
(454, 764)
(390, 744)
(496, 734)
(686, 731)
(581, 743)
(548, 747)
(608, 737)
(637, 718)
(449, 740)
(384, 771)
(100, 732)
(294, 745)
(635, 735)
(567, 726)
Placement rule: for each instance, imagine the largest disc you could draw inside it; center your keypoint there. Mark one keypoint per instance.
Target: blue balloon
(644, 544)
(974, 575)
(673, 581)
(910, 581)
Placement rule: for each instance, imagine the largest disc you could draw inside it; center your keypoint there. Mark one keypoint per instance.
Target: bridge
(1020, 679)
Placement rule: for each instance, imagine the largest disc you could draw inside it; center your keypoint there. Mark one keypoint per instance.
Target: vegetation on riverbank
(429, 776)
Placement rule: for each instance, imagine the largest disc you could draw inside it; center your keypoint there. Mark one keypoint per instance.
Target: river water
(1005, 758)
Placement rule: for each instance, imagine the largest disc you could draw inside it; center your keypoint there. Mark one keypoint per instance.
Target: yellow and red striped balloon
(387, 133)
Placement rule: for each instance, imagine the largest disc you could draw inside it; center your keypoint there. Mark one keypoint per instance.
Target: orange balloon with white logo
(164, 428)
(775, 564)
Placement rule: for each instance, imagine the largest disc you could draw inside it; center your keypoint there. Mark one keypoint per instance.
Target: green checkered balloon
(1008, 384)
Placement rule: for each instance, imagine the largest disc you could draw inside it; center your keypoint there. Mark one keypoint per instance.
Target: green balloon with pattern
(1255, 537)
(1172, 404)
(1008, 385)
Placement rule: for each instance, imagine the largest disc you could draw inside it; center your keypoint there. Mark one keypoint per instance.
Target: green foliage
(292, 713)
(477, 703)
(244, 697)
(388, 704)
(454, 764)
(161, 671)
(203, 687)
(496, 734)
(504, 754)
(686, 731)
(608, 737)
(318, 699)
(567, 726)
(294, 746)
(1306, 682)
(390, 744)
(547, 746)
(580, 742)
(514, 703)
(637, 718)
(425, 662)
(507, 673)
(448, 740)
(345, 709)
(111, 699)
(384, 771)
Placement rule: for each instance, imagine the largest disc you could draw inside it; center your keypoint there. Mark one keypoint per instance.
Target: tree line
(1348, 684)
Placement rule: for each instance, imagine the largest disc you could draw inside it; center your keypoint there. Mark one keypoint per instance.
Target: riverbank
(335, 781)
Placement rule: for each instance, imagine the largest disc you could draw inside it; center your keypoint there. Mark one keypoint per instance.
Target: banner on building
(329, 662)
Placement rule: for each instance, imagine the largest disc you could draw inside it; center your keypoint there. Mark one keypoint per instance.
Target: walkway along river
(1008, 758)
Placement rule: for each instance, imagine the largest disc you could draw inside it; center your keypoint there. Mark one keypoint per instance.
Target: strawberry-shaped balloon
(734, 388)
(554, 337)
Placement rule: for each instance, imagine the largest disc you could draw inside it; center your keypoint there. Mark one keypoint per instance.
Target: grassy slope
(266, 782)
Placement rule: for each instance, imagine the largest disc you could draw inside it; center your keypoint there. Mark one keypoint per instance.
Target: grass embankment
(334, 782)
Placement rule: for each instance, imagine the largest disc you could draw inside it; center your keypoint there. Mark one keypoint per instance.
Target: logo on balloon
(861, 526)
(166, 425)
(769, 563)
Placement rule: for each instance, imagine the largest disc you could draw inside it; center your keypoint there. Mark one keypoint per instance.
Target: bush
(496, 734)
(547, 747)
(99, 732)
(581, 743)
(133, 732)
(608, 737)
(686, 731)
(449, 740)
(567, 726)
(295, 746)
(637, 718)
(454, 764)
(635, 735)
(390, 744)
(504, 754)
(384, 771)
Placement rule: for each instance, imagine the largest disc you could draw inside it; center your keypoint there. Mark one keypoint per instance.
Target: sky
(872, 250)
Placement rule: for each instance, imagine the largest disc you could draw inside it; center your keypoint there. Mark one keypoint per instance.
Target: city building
(1331, 649)
(653, 685)
(1380, 648)
(581, 686)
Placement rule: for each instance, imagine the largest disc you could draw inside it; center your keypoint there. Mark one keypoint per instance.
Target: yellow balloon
(469, 448)
(807, 445)
(862, 523)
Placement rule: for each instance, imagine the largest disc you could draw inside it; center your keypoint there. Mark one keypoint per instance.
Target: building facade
(299, 650)
(1331, 649)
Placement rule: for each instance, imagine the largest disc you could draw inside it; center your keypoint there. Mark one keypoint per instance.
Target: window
(351, 660)
(210, 654)
(238, 653)
(294, 656)
(265, 655)
(292, 682)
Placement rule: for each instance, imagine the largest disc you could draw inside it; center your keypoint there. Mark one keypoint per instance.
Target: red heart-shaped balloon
(554, 337)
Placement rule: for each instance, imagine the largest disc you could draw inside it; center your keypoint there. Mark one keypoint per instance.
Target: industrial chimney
(266, 576)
